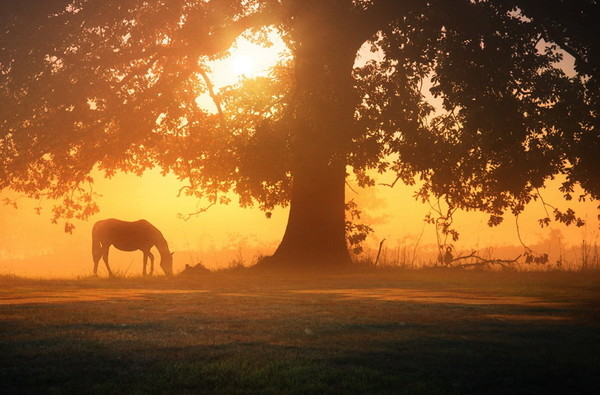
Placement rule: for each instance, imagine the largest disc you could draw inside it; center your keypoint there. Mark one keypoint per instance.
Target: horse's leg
(97, 253)
(151, 262)
(145, 262)
(105, 259)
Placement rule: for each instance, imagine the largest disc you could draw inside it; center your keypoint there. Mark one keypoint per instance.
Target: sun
(246, 60)
(243, 65)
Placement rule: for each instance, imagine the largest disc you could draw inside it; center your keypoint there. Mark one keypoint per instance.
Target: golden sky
(32, 246)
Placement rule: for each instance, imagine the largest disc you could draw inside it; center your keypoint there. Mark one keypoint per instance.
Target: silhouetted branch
(220, 40)
(186, 217)
(529, 250)
(139, 70)
(213, 95)
(544, 204)
(553, 34)
(349, 186)
(381, 13)
(483, 261)
(379, 252)
(390, 185)
(183, 188)
(216, 42)
(412, 261)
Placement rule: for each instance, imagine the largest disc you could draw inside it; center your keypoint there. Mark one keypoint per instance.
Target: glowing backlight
(243, 65)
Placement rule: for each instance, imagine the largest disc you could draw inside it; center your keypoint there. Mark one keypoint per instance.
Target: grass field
(422, 331)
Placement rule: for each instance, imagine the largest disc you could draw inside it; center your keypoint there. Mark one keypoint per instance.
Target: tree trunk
(322, 115)
(315, 232)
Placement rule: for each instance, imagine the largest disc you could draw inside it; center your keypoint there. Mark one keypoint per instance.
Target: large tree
(113, 85)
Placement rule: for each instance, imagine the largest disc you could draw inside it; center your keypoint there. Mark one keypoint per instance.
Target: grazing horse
(130, 236)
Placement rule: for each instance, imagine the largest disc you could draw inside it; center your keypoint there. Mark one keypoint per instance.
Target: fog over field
(226, 235)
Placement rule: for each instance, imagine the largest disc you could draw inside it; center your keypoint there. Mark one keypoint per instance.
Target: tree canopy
(90, 84)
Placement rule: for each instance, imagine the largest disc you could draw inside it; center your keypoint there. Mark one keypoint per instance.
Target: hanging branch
(186, 217)
(392, 184)
(350, 187)
(519, 234)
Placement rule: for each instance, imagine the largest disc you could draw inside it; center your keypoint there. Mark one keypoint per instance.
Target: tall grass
(589, 256)
(584, 257)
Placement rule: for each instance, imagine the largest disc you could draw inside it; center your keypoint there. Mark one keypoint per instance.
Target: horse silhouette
(130, 236)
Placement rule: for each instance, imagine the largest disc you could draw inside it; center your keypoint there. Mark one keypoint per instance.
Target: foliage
(356, 233)
(508, 126)
(89, 84)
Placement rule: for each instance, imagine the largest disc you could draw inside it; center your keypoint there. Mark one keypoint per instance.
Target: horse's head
(166, 263)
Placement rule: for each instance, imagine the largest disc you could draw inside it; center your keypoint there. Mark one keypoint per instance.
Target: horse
(130, 236)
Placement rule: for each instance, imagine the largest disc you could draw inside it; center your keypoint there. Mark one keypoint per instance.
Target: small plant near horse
(196, 270)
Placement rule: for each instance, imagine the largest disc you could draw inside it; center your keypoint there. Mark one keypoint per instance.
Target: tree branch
(210, 45)
(139, 70)
(384, 12)
(213, 95)
(379, 252)
(392, 184)
(483, 261)
(186, 217)
(220, 40)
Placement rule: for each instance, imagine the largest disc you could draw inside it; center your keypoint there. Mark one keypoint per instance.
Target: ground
(423, 331)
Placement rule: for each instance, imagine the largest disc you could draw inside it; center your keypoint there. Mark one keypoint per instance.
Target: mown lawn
(425, 331)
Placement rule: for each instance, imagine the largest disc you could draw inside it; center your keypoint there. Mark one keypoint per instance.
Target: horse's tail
(96, 245)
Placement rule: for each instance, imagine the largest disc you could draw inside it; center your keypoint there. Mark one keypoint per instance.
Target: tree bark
(315, 232)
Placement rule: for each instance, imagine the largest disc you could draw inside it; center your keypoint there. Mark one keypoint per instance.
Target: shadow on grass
(524, 360)
(490, 358)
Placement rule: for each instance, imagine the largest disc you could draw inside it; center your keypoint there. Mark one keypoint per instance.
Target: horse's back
(126, 235)
(113, 223)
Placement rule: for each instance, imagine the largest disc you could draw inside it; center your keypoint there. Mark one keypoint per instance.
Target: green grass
(424, 331)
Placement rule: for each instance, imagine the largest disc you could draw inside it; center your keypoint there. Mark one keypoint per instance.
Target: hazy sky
(31, 245)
